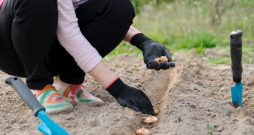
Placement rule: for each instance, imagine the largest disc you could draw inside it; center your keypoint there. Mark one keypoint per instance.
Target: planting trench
(187, 95)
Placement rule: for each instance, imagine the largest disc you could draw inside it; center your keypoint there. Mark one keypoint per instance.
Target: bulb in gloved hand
(142, 131)
(156, 111)
(164, 58)
(158, 60)
(149, 120)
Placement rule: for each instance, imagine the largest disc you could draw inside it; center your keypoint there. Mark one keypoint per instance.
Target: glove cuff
(137, 39)
(116, 87)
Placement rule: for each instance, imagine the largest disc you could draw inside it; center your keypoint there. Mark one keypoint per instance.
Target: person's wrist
(138, 39)
(116, 87)
(102, 74)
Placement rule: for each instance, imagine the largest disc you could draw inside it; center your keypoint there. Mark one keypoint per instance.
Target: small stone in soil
(196, 70)
(220, 129)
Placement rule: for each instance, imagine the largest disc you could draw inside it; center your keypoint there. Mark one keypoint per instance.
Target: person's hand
(152, 50)
(136, 100)
(131, 97)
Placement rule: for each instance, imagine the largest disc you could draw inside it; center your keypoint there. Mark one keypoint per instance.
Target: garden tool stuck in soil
(236, 66)
(48, 126)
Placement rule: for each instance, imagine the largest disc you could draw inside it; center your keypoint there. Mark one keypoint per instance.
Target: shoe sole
(65, 110)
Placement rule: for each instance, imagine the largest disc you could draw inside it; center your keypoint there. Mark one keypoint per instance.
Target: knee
(38, 7)
(123, 8)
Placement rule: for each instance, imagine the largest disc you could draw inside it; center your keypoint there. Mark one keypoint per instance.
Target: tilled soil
(188, 96)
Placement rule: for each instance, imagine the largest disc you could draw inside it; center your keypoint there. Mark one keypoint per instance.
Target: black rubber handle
(25, 93)
(236, 55)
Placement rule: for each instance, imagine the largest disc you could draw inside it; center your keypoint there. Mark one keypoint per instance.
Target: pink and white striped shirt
(71, 38)
(1, 3)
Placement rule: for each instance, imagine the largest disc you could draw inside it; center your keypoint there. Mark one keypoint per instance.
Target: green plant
(123, 47)
(249, 60)
(87, 118)
(139, 4)
(207, 127)
(199, 41)
(186, 25)
(192, 89)
(219, 60)
(116, 64)
(200, 49)
(250, 104)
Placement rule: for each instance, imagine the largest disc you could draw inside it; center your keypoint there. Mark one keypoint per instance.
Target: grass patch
(192, 24)
(198, 41)
(249, 61)
(123, 47)
(219, 60)
(248, 54)
(207, 127)
(192, 89)
(200, 50)
(87, 119)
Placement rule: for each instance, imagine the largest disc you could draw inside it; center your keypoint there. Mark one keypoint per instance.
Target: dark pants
(29, 47)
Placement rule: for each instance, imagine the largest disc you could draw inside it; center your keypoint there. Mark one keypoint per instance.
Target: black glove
(152, 50)
(130, 97)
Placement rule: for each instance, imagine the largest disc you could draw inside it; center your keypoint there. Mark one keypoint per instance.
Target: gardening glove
(130, 97)
(152, 50)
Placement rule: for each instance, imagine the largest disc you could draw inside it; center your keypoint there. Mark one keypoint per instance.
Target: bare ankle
(60, 85)
(33, 91)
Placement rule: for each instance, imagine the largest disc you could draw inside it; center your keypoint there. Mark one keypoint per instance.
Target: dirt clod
(220, 129)
(235, 104)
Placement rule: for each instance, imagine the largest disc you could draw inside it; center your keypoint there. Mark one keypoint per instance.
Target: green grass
(139, 4)
(219, 60)
(248, 54)
(207, 127)
(124, 47)
(198, 40)
(87, 119)
(194, 24)
(249, 60)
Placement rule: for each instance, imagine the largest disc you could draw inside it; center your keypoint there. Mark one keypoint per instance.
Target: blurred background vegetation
(183, 25)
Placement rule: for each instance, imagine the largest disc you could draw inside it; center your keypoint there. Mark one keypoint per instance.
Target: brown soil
(187, 96)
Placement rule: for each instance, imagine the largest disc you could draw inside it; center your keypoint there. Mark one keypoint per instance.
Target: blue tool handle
(25, 93)
(236, 55)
